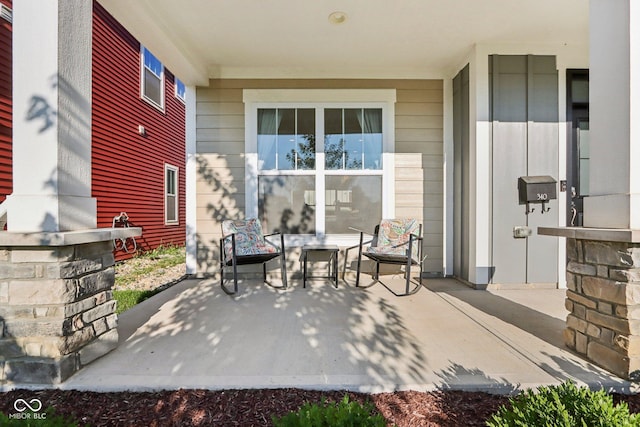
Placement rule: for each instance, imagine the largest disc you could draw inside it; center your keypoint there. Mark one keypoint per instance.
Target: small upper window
(6, 13)
(152, 79)
(181, 90)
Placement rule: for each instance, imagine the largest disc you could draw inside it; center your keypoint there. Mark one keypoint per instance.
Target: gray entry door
(524, 125)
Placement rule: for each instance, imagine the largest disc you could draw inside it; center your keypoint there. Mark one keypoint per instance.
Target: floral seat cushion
(249, 239)
(393, 238)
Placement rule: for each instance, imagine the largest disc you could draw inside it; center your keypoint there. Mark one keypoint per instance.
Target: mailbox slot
(536, 189)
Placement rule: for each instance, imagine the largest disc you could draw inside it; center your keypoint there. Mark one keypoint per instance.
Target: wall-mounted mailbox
(536, 189)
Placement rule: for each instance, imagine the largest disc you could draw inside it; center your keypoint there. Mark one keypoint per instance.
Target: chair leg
(408, 274)
(283, 269)
(223, 265)
(222, 274)
(235, 280)
(235, 277)
(359, 260)
(234, 262)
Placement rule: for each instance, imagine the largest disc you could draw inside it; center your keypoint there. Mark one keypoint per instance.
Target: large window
(152, 79)
(319, 168)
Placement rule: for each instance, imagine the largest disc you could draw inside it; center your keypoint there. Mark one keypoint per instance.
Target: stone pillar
(57, 311)
(603, 299)
(51, 117)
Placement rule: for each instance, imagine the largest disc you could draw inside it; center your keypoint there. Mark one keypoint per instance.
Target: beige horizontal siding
(420, 109)
(222, 108)
(220, 121)
(418, 122)
(220, 147)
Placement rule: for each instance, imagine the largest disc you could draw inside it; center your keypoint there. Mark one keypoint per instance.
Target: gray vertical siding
(220, 149)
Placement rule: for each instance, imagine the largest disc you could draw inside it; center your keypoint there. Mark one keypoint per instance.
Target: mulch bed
(255, 407)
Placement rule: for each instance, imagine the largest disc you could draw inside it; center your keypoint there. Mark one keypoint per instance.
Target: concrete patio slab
(447, 336)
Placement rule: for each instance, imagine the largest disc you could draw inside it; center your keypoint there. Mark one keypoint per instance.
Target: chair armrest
(273, 244)
(361, 231)
(412, 238)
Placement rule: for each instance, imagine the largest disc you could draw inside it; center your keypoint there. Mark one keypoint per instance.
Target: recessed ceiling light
(337, 17)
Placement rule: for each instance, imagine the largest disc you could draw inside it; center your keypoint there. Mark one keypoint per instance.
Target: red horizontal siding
(128, 169)
(6, 180)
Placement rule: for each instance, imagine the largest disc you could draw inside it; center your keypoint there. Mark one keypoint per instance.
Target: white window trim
(162, 82)
(176, 171)
(320, 99)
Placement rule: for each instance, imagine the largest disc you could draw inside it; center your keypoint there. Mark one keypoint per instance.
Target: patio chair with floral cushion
(395, 241)
(244, 243)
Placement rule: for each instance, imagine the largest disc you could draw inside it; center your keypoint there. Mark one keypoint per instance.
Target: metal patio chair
(244, 243)
(394, 241)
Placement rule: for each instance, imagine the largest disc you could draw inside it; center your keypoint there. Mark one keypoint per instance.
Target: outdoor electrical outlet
(521, 232)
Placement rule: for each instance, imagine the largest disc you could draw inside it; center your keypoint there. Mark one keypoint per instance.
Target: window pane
(306, 138)
(333, 141)
(287, 203)
(287, 155)
(152, 87)
(170, 214)
(171, 181)
(372, 138)
(580, 90)
(286, 139)
(181, 89)
(352, 201)
(152, 63)
(267, 138)
(583, 148)
(353, 138)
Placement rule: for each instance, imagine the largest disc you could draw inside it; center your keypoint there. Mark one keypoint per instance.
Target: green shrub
(564, 405)
(47, 418)
(340, 414)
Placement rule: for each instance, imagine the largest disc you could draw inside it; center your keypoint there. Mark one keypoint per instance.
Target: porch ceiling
(202, 39)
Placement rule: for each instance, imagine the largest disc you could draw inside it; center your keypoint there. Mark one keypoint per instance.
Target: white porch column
(192, 176)
(51, 117)
(614, 88)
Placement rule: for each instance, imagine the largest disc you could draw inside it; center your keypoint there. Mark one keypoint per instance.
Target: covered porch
(447, 336)
(435, 338)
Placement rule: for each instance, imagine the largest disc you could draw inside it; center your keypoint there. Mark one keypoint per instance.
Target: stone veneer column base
(603, 297)
(57, 311)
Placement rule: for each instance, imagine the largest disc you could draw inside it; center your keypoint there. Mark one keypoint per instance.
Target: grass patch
(146, 267)
(146, 263)
(130, 297)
